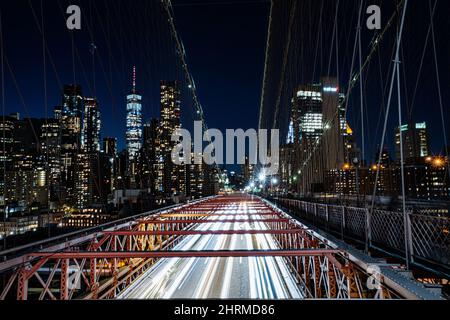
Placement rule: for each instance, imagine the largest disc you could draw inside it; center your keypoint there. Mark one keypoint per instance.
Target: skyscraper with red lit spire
(134, 129)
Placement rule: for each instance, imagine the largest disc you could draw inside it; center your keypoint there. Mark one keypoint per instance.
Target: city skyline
(111, 101)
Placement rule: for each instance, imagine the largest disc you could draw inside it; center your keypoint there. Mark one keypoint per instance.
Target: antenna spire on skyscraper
(134, 78)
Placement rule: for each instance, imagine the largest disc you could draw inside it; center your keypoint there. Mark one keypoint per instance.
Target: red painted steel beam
(192, 221)
(201, 233)
(182, 254)
(192, 214)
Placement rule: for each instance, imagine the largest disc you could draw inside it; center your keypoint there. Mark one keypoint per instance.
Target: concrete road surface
(219, 278)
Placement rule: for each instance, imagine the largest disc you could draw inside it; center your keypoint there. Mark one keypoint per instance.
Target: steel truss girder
(199, 233)
(183, 254)
(194, 221)
(113, 259)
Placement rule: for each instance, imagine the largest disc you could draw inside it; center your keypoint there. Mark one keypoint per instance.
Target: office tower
(318, 130)
(72, 100)
(334, 125)
(110, 146)
(148, 157)
(83, 182)
(426, 179)
(415, 141)
(51, 156)
(134, 129)
(307, 120)
(89, 177)
(247, 169)
(171, 178)
(109, 165)
(70, 116)
(195, 177)
(200, 178)
(8, 160)
(121, 182)
(7, 146)
(91, 127)
(25, 180)
(307, 114)
(170, 111)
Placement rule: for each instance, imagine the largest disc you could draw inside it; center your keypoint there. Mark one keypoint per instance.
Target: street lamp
(262, 177)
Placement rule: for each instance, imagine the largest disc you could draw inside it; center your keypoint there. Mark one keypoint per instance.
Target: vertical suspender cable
(361, 90)
(397, 62)
(46, 165)
(4, 129)
(383, 138)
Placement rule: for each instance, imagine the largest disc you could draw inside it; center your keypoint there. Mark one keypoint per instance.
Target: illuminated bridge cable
(375, 44)
(334, 39)
(38, 24)
(395, 73)
(285, 62)
(361, 89)
(181, 52)
(266, 66)
(317, 42)
(2, 79)
(422, 60)
(182, 56)
(77, 53)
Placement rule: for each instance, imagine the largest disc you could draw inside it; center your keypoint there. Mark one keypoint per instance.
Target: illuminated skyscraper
(134, 127)
(88, 174)
(91, 126)
(109, 164)
(307, 114)
(147, 159)
(171, 179)
(70, 116)
(415, 141)
(83, 185)
(50, 149)
(318, 119)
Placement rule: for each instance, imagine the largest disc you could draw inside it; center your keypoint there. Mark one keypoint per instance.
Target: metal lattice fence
(388, 229)
(428, 237)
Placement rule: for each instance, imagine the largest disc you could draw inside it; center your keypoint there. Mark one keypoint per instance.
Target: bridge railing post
(409, 245)
(368, 214)
(315, 213)
(343, 223)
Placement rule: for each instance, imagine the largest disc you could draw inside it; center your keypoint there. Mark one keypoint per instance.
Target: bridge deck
(223, 247)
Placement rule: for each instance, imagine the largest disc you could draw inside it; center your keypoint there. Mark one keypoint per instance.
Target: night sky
(225, 49)
(225, 44)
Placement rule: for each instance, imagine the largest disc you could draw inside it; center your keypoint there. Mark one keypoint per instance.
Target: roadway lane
(219, 278)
